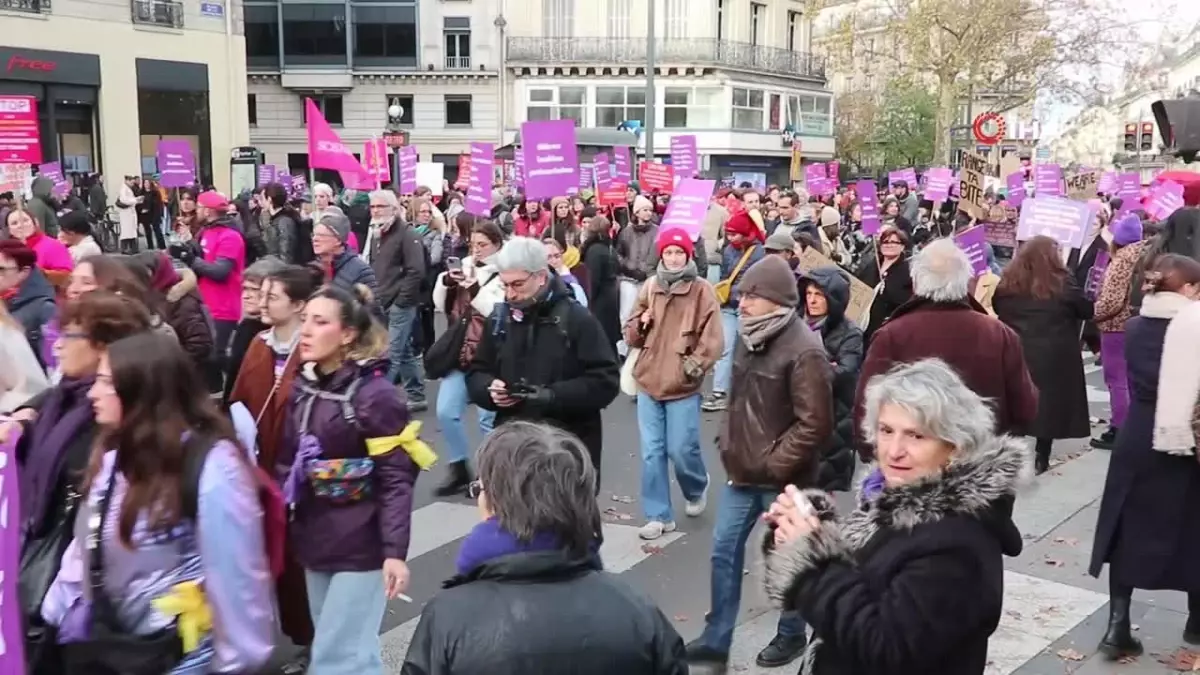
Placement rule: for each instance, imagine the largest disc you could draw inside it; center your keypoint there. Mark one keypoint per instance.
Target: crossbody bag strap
(737, 269)
(275, 387)
(97, 520)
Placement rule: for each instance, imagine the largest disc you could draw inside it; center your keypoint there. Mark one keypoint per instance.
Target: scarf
(63, 416)
(668, 279)
(757, 331)
(1178, 407)
(488, 541)
(816, 323)
(872, 485)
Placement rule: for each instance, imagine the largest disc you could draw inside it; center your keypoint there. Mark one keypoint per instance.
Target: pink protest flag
(358, 180)
(375, 159)
(325, 147)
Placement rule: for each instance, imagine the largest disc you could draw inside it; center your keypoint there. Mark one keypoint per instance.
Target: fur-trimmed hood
(980, 485)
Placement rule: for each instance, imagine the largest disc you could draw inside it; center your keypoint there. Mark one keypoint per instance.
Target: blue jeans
(669, 430)
(739, 510)
(405, 364)
(452, 402)
(347, 609)
(723, 373)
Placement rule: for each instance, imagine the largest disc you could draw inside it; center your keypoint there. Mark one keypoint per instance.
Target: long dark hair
(155, 381)
(1036, 271)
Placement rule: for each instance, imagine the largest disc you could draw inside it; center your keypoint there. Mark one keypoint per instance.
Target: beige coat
(681, 343)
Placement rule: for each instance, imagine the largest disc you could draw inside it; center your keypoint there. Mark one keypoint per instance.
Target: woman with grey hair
(251, 324)
(912, 581)
(538, 548)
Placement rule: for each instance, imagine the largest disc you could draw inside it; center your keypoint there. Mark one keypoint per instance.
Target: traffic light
(1131, 137)
(1147, 139)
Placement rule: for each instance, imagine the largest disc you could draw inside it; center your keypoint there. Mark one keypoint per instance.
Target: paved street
(1054, 613)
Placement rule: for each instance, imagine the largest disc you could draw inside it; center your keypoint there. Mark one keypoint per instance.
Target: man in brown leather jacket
(780, 418)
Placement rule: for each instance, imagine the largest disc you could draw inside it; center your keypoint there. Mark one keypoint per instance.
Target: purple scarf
(488, 541)
(62, 417)
(872, 485)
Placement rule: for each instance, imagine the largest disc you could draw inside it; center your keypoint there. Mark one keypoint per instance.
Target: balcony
(692, 51)
(27, 6)
(458, 63)
(165, 13)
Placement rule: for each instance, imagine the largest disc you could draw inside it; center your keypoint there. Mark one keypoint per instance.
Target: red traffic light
(1147, 127)
(1131, 128)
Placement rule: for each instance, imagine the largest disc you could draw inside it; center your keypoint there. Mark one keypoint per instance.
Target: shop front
(67, 88)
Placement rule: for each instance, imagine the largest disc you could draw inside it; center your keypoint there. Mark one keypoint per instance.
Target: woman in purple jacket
(348, 480)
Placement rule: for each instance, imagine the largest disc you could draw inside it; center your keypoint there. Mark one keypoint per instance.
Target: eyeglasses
(474, 489)
(72, 335)
(892, 242)
(379, 206)
(518, 285)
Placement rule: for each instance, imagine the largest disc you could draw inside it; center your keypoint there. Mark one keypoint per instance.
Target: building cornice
(389, 77)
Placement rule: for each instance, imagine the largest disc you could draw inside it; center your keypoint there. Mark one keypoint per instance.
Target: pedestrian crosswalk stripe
(441, 523)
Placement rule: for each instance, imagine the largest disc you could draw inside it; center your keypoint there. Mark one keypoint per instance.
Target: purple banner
(1063, 220)
(519, 168)
(603, 171)
(937, 183)
(623, 165)
(1128, 186)
(285, 179)
(973, 242)
(1108, 180)
(408, 170)
(814, 177)
(688, 206)
(300, 187)
(1095, 276)
(1166, 198)
(1047, 180)
(868, 199)
(585, 177)
(266, 174)
(176, 163)
(551, 158)
(12, 650)
(53, 171)
(684, 157)
(479, 181)
(909, 176)
(1015, 182)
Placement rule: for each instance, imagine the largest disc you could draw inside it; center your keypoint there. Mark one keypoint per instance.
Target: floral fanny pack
(341, 481)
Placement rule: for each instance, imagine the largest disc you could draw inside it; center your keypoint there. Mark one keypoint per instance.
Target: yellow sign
(797, 169)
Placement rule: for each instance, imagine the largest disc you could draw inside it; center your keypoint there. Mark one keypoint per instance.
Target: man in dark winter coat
(543, 356)
(398, 258)
(283, 229)
(824, 296)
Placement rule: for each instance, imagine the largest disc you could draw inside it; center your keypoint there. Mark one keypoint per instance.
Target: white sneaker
(655, 529)
(697, 507)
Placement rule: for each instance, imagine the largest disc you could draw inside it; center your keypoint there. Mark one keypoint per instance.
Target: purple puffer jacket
(356, 537)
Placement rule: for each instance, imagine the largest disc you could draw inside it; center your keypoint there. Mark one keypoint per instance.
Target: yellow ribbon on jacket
(187, 603)
(410, 441)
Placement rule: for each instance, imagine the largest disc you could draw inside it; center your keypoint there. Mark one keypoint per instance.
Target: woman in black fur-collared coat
(911, 582)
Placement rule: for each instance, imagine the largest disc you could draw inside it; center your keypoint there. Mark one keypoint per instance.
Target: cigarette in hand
(405, 598)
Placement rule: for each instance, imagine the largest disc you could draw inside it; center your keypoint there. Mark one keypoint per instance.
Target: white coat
(128, 214)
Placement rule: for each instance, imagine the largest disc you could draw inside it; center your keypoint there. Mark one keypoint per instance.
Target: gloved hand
(176, 251)
(542, 396)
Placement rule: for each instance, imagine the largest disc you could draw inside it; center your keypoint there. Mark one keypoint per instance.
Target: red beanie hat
(741, 223)
(676, 236)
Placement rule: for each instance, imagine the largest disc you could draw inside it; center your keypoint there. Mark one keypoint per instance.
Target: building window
(458, 110)
(615, 105)
(406, 102)
(677, 19)
(262, 36)
(252, 109)
(618, 18)
(330, 107)
(811, 114)
(457, 33)
(720, 19)
(794, 26)
(698, 108)
(559, 103)
(869, 83)
(757, 17)
(314, 34)
(558, 18)
(748, 109)
(385, 36)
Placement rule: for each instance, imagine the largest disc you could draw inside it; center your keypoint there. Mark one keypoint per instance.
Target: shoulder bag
(724, 287)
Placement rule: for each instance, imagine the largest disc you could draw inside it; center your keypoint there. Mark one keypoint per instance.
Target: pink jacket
(52, 254)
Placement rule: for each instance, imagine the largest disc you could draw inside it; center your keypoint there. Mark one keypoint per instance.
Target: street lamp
(395, 137)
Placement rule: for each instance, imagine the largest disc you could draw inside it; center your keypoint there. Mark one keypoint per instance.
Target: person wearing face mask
(676, 323)
(743, 248)
(912, 581)
(543, 356)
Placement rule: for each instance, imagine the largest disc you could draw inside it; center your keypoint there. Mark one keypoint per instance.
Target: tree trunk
(947, 112)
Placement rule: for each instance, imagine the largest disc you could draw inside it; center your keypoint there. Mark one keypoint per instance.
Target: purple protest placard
(623, 165)
(585, 176)
(285, 179)
(868, 199)
(266, 174)
(1015, 182)
(937, 183)
(12, 650)
(909, 176)
(1108, 180)
(551, 158)
(684, 157)
(408, 170)
(299, 186)
(688, 206)
(1166, 198)
(519, 168)
(814, 176)
(176, 163)
(479, 180)
(53, 171)
(973, 242)
(603, 171)
(1095, 276)
(1063, 220)
(1047, 180)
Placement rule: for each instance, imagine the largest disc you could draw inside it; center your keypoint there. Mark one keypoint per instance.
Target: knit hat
(676, 236)
(1126, 230)
(772, 279)
(640, 202)
(212, 199)
(338, 224)
(779, 241)
(741, 223)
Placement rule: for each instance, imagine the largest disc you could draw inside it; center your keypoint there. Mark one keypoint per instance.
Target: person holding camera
(543, 356)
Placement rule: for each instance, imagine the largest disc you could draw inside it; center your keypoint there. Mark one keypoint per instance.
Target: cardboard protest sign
(1083, 186)
(970, 185)
(861, 295)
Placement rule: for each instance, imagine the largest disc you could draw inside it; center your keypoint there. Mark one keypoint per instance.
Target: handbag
(442, 357)
(41, 559)
(629, 385)
(109, 650)
(724, 287)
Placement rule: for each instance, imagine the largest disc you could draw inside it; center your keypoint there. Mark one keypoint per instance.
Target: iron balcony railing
(458, 62)
(167, 13)
(31, 6)
(683, 51)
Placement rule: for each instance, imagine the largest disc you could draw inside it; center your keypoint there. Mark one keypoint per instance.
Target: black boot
(1106, 440)
(1041, 461)
(781, 651)
(1118, 641)
(458, 478)
(1191, 630)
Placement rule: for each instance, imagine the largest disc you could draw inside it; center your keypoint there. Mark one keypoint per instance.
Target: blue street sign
(213, 9)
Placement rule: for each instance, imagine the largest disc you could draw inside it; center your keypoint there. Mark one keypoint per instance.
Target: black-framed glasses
(474, 489)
